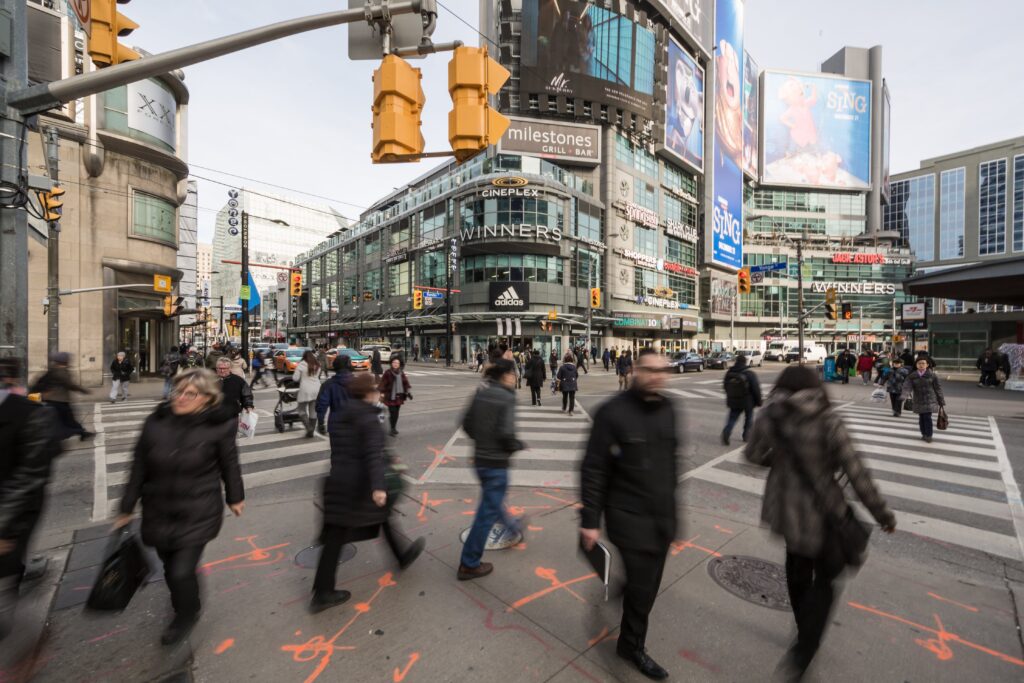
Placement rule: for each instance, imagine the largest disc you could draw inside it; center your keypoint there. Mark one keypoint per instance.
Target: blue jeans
(493, 485)
(734, 416)
(924, 420)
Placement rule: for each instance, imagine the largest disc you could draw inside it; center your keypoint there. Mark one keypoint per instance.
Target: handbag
(122, 573)
(908, 404)
(942, 421)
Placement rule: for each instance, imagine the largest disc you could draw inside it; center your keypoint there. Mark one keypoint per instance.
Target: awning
(991, 282)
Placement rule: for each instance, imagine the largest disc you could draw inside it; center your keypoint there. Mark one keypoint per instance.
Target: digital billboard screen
(751, 104)
(579, 50)
(886, 132)
(693, 17)
(817, 131)
(726, 166)
(684, 107)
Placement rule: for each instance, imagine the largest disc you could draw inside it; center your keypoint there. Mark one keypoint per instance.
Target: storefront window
(586, 268)
(154, 218)
(432, 266)
(372, 244)
(400, 233)
(514, 267)
(645, 240)
(371, 285)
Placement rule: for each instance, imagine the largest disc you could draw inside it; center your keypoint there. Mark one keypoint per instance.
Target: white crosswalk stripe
(706, 392)
(555, 444)
(957, 489)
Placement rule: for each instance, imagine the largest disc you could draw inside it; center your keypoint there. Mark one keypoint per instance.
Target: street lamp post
(800, 298)
(245, 286)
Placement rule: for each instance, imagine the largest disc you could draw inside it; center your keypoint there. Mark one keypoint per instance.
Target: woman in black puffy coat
(186, 449)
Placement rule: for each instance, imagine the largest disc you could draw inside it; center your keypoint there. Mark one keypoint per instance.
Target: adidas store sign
(509, 296)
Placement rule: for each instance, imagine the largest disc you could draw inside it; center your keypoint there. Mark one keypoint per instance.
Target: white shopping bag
(878, 394)
(247, 424)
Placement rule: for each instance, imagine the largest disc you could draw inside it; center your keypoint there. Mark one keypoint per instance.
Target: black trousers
(180, 576)
(643, 579)
(897, 403)
(333, 538)
(534, 394)
(66, 417)
(393, 416)
(845, 375)
(811, 595)
(569, 400)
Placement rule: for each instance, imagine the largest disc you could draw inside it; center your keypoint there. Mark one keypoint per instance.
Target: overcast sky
(296, 113)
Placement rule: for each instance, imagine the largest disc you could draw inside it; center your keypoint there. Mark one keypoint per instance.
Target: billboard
(573, 142)
(817, 131)
(579, 50)
(886, 132)
(692, 17)
(751, 103)
(684, 107)
(726, 164)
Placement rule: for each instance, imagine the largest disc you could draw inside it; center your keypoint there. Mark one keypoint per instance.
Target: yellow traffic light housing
(830, 312)
(296, 283)
(743, 281)
(830, 296)
(107, 25)
(168, 306)
(595, 297)
(51, 203)
(417, 299)
(472, 124)
(397, 105)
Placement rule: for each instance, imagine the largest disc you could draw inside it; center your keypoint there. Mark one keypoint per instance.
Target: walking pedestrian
(805, 442)
(375, 365)
(334, 394)
(927, 357)
(121, 370)
(307, 376)
(865, 363)
(613, 356)
(742, 395)
(356, 501)
(844, 363)
(236, 395)
(238, 364)
(169, 368)
(567, 377)
(321, 359)
(624, 369)
(923, 388)
(259, 364)
(629, 476)
(215, 354)
(553, 362)
(988, 364)
(606, 358)
(480, 358)
(186, 449)
(29, 442)
(894, 386)
(395, 390)
(535, 376)
(416, 352)
(56, 386)
(490, 420)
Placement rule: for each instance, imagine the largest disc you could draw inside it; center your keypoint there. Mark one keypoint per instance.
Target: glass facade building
(951, 213)
(911, 213)
(992, 207)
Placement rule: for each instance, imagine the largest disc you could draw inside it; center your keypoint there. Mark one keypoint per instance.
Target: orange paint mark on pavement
(530, 527)
(425, 501)
(256, 557)
(938, 645)
(324, 648)
(723, 529)
(544, 494)
(598, 638)
(440, 458)
(399, 675)
(953, 602)
(224, 646)
(556, 584)
(680, 546)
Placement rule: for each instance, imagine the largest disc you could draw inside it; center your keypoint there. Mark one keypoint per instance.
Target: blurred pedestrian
(214, 355)
(844, 363)
(321, 359)
(236, 395)
(742, 395)
(334, 394)
(259, 365)
(169, 368)
(238, 364)
(29, 442)
(553, 362)
(356, 503)
(629, 476)
(186, 449)
(395, 390)
(923, 388)
(121, 370)
(894, 386)
(865, 363)
(988, 364)
(805, 443)
(306, 375)
(927, 357)
(624, 369)
(606, 358)
(535, 376)
(567, 377)
(56, 386)
(490, 420)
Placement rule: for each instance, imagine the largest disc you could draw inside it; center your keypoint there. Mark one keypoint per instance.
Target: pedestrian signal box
(847, 312)
(296, 283)
(417, 299)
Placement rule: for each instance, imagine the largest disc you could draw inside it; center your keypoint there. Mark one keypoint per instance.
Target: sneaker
(725, 439)
(322, 601)
(927, 439)
(178, 630)
(466, 573)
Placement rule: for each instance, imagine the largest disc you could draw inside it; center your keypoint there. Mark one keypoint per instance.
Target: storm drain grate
(308, 558)
(753, 579)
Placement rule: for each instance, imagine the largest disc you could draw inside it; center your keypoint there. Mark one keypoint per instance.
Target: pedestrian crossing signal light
(51, 203)
(417, 299)
(847, 312)
(107, 25)
(397, 105)
(472, 124)
(743, 281)
(296, 283)
(830, 312)
(168, 306)
(595, 297)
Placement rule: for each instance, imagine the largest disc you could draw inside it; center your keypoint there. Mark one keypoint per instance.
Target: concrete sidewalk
(539, 617)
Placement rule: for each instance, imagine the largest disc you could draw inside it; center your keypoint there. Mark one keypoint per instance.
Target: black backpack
(737, 386)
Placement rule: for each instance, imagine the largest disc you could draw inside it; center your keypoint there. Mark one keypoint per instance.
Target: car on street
(754, 357)
(720, 360)
(285, 360)
(385, 350)
(812, 354)
(359, 361)
(775, 351)
(685, 362)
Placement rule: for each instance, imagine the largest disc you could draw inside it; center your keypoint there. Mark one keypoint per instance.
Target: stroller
(286, 412)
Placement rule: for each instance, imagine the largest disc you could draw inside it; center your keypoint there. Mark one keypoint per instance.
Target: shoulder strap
(798, 465)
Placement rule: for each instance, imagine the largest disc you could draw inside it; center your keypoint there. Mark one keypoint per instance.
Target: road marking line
(560, 479)
(1012, 489)
(99, 480)
(934, 474)
(981, 465)
(870, 434)
(862, 441)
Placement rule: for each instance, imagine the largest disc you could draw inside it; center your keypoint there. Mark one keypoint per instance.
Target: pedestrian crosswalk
(554, 440)
(959, 489)
(710, 389)
(267, 458)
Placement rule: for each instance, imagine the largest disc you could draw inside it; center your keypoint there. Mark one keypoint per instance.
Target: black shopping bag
(123, 572)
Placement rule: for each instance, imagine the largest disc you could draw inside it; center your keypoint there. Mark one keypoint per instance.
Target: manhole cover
(498, 538)
(309, 557)
(753, 579)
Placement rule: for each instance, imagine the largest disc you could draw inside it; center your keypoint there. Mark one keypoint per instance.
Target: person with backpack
(606, 358)
(169, 368)
(624, 369)
(333, 395)
(742, 395)
(567, 377)
(535, 376)
(894, 386)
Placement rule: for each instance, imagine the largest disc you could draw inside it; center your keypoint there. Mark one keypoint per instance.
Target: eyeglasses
(188, 394)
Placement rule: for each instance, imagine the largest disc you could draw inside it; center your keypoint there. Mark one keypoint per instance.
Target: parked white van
(775, 351)
(812, 354)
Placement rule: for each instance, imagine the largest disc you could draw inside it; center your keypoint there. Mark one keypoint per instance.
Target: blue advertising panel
(726, 168)
(817, 131)
(684, 109)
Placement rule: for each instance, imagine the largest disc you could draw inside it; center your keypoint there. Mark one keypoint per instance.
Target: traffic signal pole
(245, 284)
(800, 298)
(52, 252)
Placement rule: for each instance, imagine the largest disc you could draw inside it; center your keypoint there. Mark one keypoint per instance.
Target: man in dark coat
(742, 395)
(535, 376)
(629, 476)
(237, 392)
(908, 358)
(334, 394)
(375, 366)
(28, 445)
(844, 363)
(56, 386)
